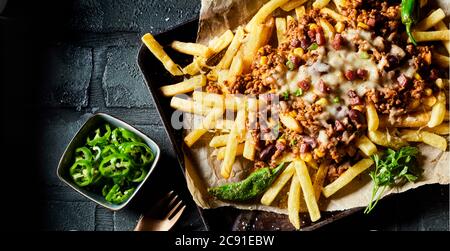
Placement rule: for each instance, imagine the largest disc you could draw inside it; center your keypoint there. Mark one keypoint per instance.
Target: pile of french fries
(233, 139)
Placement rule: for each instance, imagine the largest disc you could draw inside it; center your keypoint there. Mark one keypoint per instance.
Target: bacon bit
(295, 60)
(337, 42)
(304, 148)
(320, 38)
(323, 87)
(362, 74)
(434, 74)
(338, 126)
(371, 22)
(304, 43)
(356, 117)
(350, 75)
(295, 42)
(304, 84)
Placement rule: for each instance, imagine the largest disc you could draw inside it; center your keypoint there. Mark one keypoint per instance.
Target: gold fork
(164, 214)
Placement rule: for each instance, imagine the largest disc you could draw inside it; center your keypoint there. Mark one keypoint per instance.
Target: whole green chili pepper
(116, 196)
(255, 184)
(409, 13)
(115, 165)
(100, 139)
(121, 135)
(139, 152)
(83, 153)
(82, 172)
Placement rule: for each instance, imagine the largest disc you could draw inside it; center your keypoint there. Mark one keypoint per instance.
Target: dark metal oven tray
(156, 76)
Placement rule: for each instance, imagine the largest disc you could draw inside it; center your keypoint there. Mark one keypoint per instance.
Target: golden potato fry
(290, 123)
(224, 124)
(221, 42)
(236, 68)
(438, 111)
(280, 24)
(385, 139)
(328, 29)
(219, 140)
(294, 202)
(161, 55)
(428, 138)
(225, 62)
(425, 36)
(333, 14)
(347, 177)
(272, 192)
(257, 38)
(319, 179)
(319, 4)
(208, 122)
(372, 117)
(292, 4)
(440, 26)
(308, 190)
(192, 49)
(431, 20)
(231, 147)
(221, 152)
(300, 12)
(249, 147)
(441, 60)
(442, 129)
(189, 106)
(410, 120)
(195, 67)
(263, 13)
(366, 146)
(184, 86)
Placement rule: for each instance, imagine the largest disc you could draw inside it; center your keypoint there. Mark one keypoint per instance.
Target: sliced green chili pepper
(121, 135)
(83, 153)
(255, 184)
(81, 172)
(115, 165)
(140, 153)
(409, 14)
(97, 152)
(116, 196)
(98, 138)
(137, 174)
(108, 150)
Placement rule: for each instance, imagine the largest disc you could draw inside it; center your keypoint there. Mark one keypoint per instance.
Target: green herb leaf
(393, 168)
(299, 92)
(313, 46)
(364, 55)
(285, 95)
(293, 142)
(290, 65)
(336, 100)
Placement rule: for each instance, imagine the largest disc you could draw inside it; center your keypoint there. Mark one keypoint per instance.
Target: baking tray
(156, 76)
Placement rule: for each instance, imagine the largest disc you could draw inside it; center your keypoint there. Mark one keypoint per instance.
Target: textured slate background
(66, 60)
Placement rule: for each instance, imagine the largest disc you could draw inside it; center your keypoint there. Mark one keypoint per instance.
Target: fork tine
(178, 214)
(174, 209)
(172, 201)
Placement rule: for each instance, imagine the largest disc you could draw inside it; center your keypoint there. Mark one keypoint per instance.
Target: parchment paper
(203, 169)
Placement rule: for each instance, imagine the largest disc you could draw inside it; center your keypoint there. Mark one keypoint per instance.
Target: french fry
(366, 146)
(333, 14)
(258, 37)
(220, 43)
(441, 60)
(184, 86)
(347, 177)
(232, 143)
(236, 68)
(272, 192)
(308, 190)
(208, 99)
(290, 123)
(289, 19)
(438, 111)
(280, 24)
(410, 120)
(249, 147)
(221, 152)
(189, 106)
(339, 4)
(226, 60)
(425, 36)
(428, 138)
(219, 140)
(292, 4)
(319, 179)
(442, 129)
(224, 124)
(300, 12)
(442, 83)
(263, 13)
(440, 26)
(319, 4)
(385, 139)
(328, 29)
(431, 20)
(207, 123)
(161, 55)
(372, 117)
(193, 68)
(192, 49)
(294, 202)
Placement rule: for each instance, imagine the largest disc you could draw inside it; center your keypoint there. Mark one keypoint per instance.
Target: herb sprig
(393, 168)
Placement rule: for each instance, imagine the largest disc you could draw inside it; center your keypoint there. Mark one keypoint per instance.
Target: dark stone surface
(83, 61)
